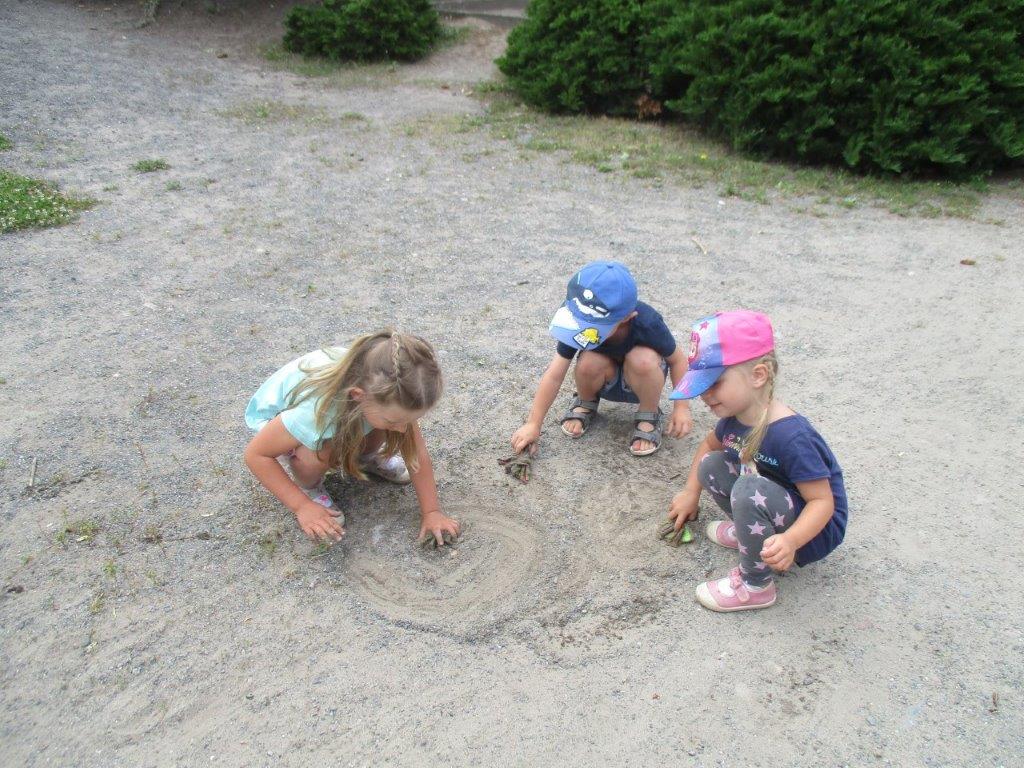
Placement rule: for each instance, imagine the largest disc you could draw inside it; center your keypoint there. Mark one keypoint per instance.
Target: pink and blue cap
(721, 340)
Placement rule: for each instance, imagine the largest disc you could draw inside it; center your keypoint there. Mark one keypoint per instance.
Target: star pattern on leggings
(789, 500)
(756, 529)
(743, 550)
(733, 469)
(760, 565)
(758, 499)
(779, 520)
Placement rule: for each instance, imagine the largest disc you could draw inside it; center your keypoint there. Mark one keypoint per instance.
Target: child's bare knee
(591, 366)
(643, 362)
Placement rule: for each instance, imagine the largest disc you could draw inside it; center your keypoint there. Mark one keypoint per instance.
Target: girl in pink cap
(764, 464)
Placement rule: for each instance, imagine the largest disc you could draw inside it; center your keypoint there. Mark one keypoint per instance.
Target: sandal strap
(654, 436)
(585, 417)
(654, 417)
(591, 405)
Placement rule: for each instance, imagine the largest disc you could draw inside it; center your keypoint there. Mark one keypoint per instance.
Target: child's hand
(684, 507)
(437, 525)
(317, 522)
(778, 552)
(680, 422)
(526, 436)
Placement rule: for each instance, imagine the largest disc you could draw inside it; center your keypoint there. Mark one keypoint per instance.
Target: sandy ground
(195, 625)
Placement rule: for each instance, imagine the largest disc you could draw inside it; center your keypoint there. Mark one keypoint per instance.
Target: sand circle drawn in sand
(475, 584)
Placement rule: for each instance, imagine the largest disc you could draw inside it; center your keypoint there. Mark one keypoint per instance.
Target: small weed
(150, 166)
(5, 143)
(152, 535)
(82, 531)
(3, 464)
(268, 542)
(26, 202)
(110, 569)
(111, 188)
(97, 603)
(320, 549)
(173, 186)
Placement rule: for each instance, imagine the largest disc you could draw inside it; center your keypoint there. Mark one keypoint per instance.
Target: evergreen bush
(577, 55)
(363, 30)
(892, 86)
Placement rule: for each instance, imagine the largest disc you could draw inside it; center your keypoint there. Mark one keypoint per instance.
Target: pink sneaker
(731, 594)
(723, 533)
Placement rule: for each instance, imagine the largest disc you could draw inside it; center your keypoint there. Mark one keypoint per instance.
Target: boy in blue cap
(623, 349)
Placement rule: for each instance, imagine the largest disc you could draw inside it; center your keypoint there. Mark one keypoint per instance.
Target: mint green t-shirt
(271, 400)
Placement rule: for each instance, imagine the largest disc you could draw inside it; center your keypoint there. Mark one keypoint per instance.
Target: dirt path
(166, 612)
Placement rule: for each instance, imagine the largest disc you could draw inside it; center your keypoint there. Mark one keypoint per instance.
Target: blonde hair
(393, 369)
(752, 443)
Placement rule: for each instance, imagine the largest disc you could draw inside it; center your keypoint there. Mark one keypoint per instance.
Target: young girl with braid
(356, 410)
(763, 464)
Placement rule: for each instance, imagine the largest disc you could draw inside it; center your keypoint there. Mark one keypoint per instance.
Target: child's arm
(779, 551)
(680, 422)
(547, 390)
(432, 521)
(685, 503)
(261, 457)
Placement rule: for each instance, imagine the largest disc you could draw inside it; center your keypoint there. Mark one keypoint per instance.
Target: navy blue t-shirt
(793, 452)
(647, 329)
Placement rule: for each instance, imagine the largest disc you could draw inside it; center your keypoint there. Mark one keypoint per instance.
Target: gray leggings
(759, 508)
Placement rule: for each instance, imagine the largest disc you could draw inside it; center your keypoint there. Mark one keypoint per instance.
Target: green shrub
(363, 30)
(918, 86)
(892, 86)
(577, 55)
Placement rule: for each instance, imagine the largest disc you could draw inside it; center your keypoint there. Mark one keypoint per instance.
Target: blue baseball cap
(599, 297)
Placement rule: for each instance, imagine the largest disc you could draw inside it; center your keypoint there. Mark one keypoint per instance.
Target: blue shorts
(618, 391)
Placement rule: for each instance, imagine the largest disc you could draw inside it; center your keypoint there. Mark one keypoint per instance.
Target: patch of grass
(26, 202)
(110, 568)
(5, 143)
(260, 112)
(173, 186)
(452, 36)
(83, 531)
(339, 74)
(675, 153)
(151, 165)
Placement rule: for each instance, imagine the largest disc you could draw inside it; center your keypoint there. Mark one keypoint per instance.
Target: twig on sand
(518, 465)
(703, 250)
(32, 474)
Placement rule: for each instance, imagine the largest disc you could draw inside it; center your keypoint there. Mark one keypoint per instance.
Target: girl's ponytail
(752, 443)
